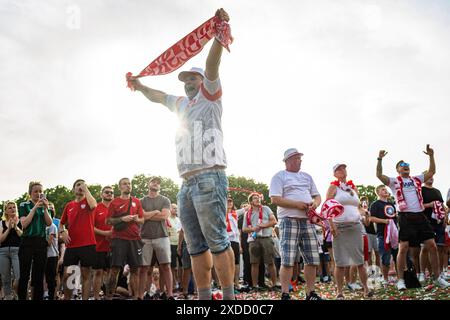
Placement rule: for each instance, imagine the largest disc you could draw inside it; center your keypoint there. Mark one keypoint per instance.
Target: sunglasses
(108, 192)
(404, 164)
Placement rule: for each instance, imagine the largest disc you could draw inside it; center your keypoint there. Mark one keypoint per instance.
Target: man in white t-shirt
(202, 200)
(294, 192)
(414, 227)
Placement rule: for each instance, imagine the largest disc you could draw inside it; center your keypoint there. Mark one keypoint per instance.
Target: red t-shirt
(100, 214)
(81, 223)
(118, 207)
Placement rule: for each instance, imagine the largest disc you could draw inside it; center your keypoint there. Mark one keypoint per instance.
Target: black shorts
(174, 257)
(414, 227)
(102, 261)
(84, 255)
(236, 249)
(126, 252)
(439, 231)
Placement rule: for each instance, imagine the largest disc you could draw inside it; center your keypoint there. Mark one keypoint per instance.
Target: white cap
(336, 166)
(291, 152)
(183, 74)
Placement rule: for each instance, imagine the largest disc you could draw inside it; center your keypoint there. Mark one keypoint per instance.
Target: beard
(154, 189)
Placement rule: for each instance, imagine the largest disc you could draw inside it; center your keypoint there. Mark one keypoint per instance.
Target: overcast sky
(339, 80)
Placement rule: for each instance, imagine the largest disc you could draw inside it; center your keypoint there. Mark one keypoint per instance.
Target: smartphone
(42, 196)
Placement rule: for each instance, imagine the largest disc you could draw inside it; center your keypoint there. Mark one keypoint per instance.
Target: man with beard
(201, 160)
(125, 215)
(103, 232)
(78, 217)
(414, 226)
(155, 236)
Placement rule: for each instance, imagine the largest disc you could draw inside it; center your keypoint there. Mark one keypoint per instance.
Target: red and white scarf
(249, 216)
(331, 209)
(233, 216)
(344, 185)
(398, 185)
(438, 211)
(390, 235)
(186, 48)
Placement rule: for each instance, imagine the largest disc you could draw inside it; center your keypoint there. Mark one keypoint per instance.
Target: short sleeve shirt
(80, 219)
(199, 138)
(298, 186)
(118, 207)
(154, 229)
(37, 226)
(409, 191)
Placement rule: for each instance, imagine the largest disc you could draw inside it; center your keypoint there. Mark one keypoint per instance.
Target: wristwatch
(379, 158)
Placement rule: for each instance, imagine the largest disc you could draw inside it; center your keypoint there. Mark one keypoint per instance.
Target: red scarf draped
(234, 216)
(186, 48)
(249, 216)
(349, 183)
(401, 197)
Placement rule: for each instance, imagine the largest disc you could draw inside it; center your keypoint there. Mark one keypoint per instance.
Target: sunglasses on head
(404, 164)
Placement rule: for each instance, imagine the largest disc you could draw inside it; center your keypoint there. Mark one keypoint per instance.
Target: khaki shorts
(262, 248)
(161, 248)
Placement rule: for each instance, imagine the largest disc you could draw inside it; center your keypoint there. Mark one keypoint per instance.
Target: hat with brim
(183, 75)
(290, 153)
(337, 166)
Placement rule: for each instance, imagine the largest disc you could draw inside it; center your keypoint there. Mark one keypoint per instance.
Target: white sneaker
(384, 283)
(421, 277)
(445, 276)
(351, 286)
(357, 286)
(401, 285)
(441, 283)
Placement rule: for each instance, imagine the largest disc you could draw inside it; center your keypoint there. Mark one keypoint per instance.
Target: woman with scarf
(347, 231)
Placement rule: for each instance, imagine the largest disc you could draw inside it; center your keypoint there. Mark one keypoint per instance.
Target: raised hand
(429, 151)
(382, 153)
(222, 15)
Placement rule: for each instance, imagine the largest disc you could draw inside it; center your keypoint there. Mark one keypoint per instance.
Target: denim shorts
(385, 254)
(202, 203)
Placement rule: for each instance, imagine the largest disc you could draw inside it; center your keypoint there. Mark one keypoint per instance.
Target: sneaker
(445, 276)
(421, 277)
(171, 298)
(274, 289)
(441, 282)
(401, 285)
(163, 296)
(147, 296)
(384, 283)
(357, 286)
(300, 279)
(326, 279)
(351, 286)
(313, 296)
(285, 296)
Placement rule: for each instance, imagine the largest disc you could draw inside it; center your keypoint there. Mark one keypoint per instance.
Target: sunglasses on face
(404, 164)
(108, 192)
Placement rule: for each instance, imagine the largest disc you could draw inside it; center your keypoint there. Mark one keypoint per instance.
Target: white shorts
(160, 246)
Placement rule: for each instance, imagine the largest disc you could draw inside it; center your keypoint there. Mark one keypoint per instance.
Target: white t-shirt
(409, 192)
(254, 219)
(174, 230)
(234, 233)
(199, 138)
(298, 186)
(52, 250)
(350, 203)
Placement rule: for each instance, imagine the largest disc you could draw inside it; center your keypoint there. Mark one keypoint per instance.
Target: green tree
(367, 191)
(248, 184)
